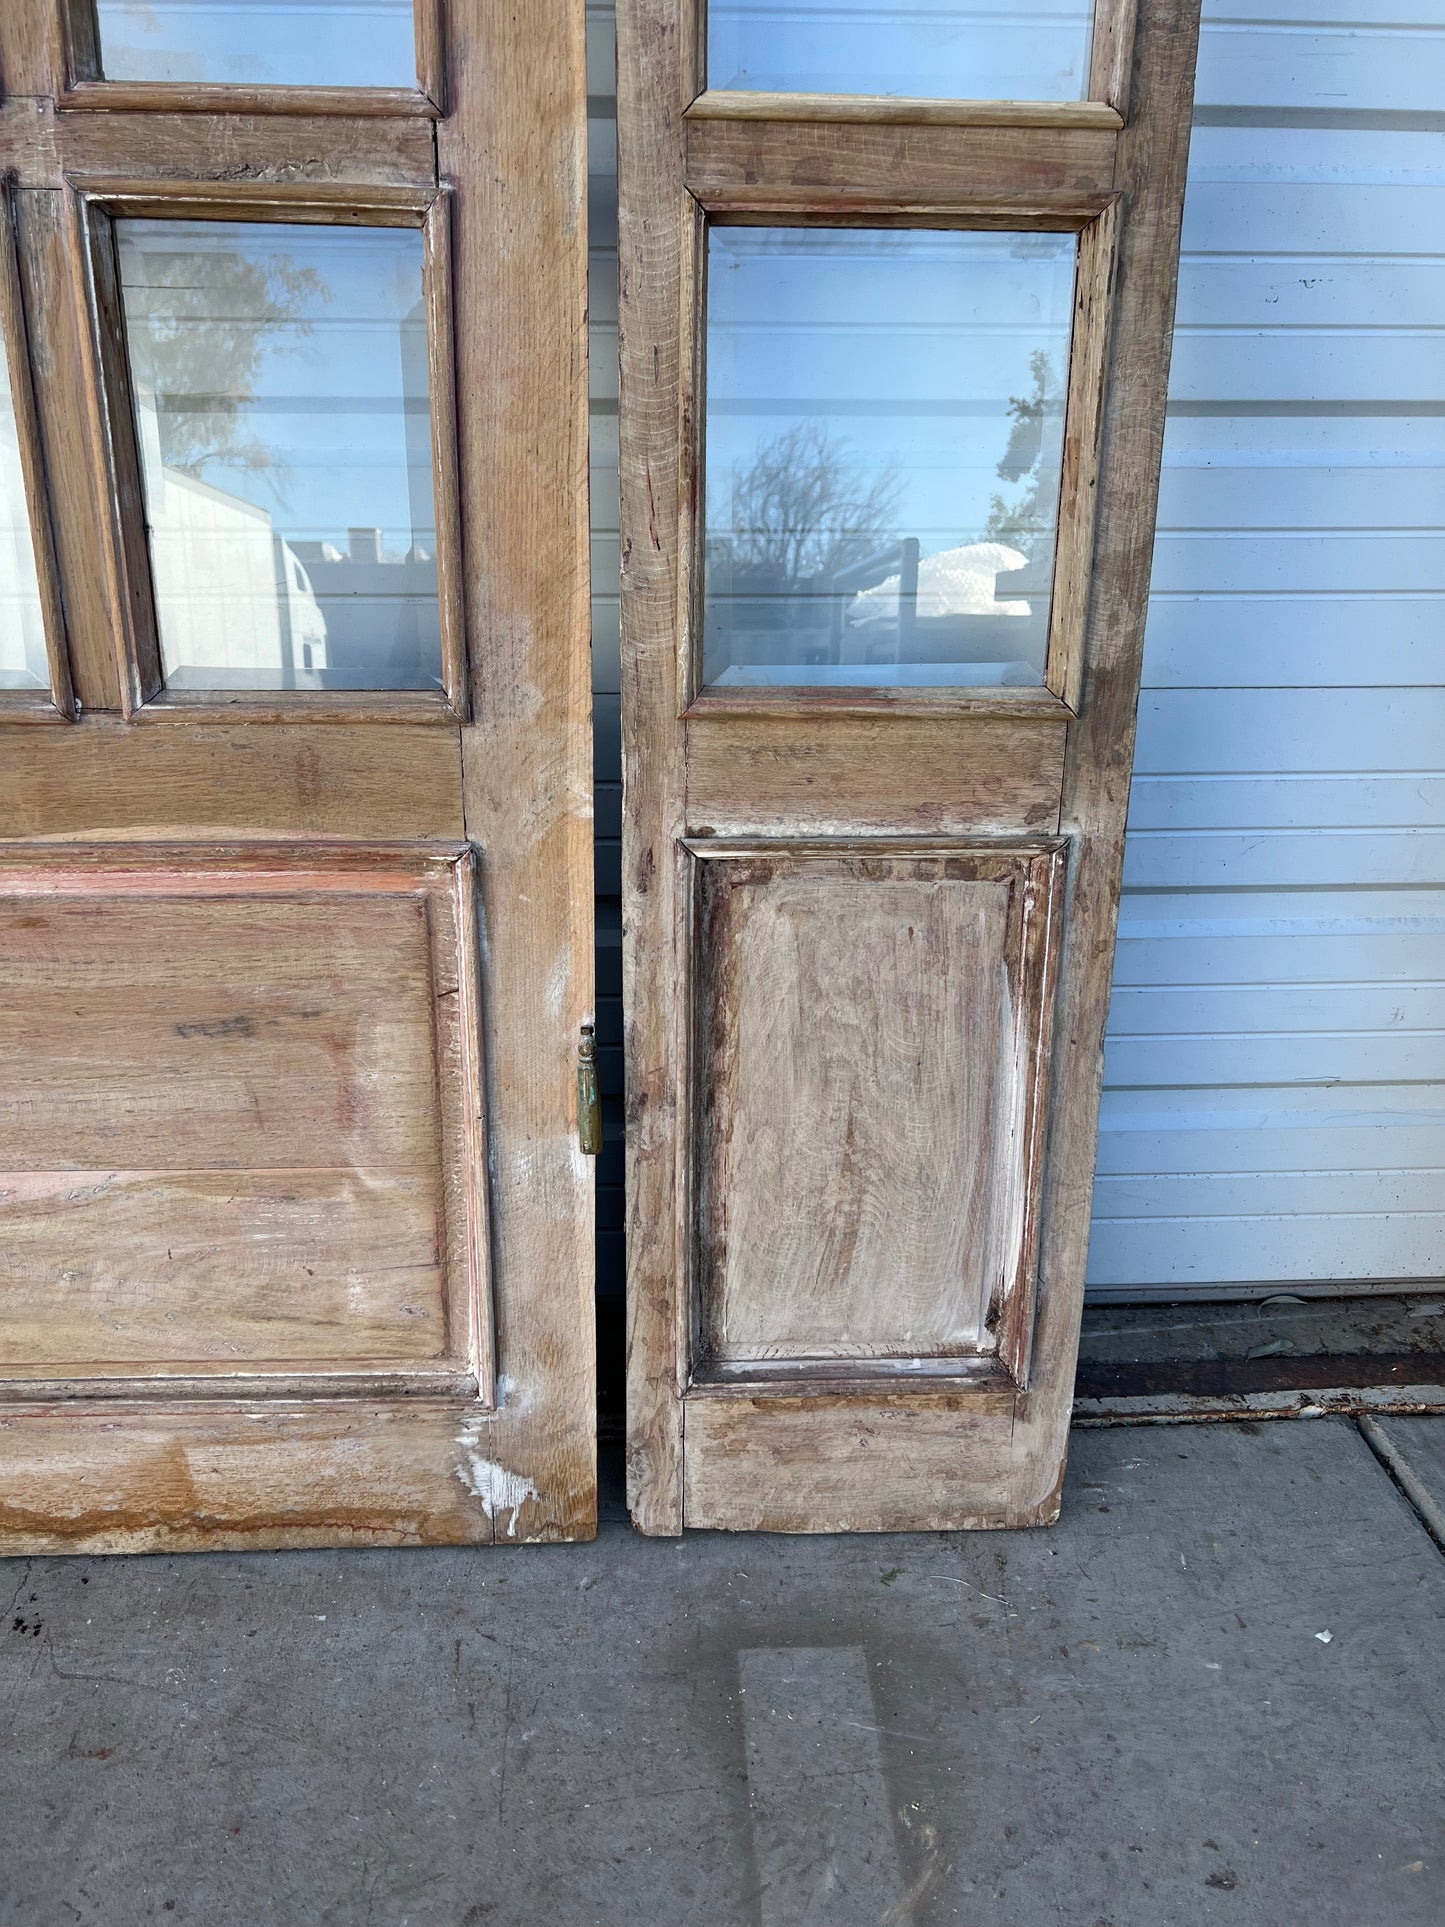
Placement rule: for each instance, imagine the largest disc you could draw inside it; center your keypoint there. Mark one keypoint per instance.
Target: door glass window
(22, 632)
(283, 413)
(932, 48)
(258, 43)
(884, 430)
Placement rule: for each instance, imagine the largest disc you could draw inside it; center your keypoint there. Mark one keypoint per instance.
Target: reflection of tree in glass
(1027, 522)
(805, 509)
(200, 346)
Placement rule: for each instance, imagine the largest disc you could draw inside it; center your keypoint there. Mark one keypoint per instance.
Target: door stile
(514, 153)
(655, 81)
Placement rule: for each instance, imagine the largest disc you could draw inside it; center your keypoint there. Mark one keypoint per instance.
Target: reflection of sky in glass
(338, 367)
(894, 359)
(283, 409)
(298, 43)
(22, 635)
(931, 48)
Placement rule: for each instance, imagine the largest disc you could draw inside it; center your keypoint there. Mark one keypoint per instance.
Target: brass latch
(589, 1098)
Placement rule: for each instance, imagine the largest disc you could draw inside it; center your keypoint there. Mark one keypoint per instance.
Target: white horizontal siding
(1274, 1109)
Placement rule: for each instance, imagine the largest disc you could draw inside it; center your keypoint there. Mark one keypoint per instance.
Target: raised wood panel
(238, 1131)
(852, 775)
(103, 779)
(871, 1065)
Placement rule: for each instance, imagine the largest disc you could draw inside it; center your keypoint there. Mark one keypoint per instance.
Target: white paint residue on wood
(498, 1489)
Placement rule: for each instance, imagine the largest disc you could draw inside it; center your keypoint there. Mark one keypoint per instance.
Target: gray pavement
(1214, 1692)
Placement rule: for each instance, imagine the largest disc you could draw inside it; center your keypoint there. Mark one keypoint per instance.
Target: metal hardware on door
(589, 1098)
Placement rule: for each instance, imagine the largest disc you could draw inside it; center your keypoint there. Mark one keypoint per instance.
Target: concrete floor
(1214, 1692)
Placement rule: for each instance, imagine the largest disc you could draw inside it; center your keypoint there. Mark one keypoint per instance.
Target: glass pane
(22, 632)
(931, 48)
(284, 417)
(884, 426)
(260, 43)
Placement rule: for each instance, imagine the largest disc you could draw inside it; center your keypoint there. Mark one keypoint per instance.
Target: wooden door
(896, 307)
(295, 877)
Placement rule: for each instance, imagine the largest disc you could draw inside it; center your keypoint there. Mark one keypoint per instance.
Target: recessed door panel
(239, 1133)
(871, 1062)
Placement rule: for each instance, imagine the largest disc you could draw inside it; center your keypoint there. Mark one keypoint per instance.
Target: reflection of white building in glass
(22, 631)
(236, 605)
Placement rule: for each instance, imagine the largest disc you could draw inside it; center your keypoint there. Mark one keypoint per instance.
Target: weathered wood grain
(234, 1082)
(858, 1462)
(132, 1272)
(1112, 54)
(104, 422)
(656, 69)
(195, 1033)
(895, 109)
(849, 775)
(1082, 453)
(514, 150)
(821, 167)
(297, 148)
(360, 782)
(59, 698)
(1153, 152)
(30, 43)
(218, 1475)
(223, 100)
(62, 367)
(868, 1025)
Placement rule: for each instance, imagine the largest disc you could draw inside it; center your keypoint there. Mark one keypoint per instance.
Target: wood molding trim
(889, 109)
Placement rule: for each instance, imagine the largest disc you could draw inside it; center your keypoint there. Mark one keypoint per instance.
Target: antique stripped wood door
(896, 306)
(295, 869)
